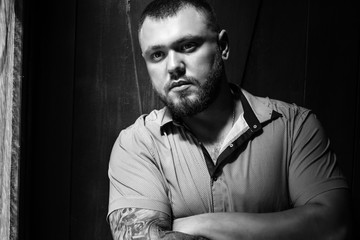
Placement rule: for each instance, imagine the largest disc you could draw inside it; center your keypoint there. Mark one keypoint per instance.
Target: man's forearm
(312, 221)
(135, 223)
(269, 226)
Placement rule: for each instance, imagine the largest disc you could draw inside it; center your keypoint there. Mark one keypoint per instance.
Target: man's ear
(224, 44)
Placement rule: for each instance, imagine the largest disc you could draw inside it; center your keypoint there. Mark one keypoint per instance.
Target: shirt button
(255, 126)
(231, 145)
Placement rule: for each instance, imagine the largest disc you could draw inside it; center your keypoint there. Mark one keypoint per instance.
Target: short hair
(160, 9)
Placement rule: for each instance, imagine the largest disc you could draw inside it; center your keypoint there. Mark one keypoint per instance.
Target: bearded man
(217, 162)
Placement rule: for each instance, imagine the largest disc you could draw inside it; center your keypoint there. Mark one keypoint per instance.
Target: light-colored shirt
(275, 157)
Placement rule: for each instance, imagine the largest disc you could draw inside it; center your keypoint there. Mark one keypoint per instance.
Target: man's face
(183, 60)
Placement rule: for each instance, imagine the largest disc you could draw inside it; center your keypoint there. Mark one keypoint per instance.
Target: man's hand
(190, 225)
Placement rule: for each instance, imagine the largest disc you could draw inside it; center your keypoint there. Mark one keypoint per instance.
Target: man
(217, 162)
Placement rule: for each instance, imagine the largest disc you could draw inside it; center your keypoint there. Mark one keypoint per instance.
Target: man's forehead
(188, 21)
(187, 12)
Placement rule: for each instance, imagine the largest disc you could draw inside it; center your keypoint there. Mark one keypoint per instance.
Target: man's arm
(324, 217)
(136, 223)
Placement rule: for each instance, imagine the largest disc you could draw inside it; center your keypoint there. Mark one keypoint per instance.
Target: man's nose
(175, 64)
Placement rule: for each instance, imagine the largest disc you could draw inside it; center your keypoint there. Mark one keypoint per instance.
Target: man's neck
(213, 124)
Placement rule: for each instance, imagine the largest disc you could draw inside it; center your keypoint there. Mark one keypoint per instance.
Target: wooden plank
(7, 30)
(276, 62)
(356, 167)
(331, 88)
(49, 33)
(16, 122)
(149, 99)
(10, 103)
(107, 99)
(238, 18)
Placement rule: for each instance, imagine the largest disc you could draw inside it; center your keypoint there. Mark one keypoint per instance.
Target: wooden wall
(10, 84)
(85, 80)
(6, 94)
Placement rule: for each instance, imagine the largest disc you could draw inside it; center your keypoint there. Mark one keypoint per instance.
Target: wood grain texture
(106, 100)
(16, 128)
(8, 191)
(131, 30)
(149, 99)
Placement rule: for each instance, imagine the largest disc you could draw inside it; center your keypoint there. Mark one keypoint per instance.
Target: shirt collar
(167, 118)
(257, 110)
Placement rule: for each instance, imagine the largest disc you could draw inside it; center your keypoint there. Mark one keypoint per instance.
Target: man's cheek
(202, 64)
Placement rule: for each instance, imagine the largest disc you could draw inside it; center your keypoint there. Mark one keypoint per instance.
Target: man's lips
(179, 83)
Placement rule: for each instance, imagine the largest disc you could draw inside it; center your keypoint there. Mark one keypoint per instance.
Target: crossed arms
(324, 217)
(136, 223)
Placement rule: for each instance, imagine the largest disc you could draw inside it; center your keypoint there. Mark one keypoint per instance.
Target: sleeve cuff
(136, 202)
(316, 189)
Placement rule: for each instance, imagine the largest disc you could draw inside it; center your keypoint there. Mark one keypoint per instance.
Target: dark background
(84, 80)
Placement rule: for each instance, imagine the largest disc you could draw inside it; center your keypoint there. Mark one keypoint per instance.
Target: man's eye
(188, 47)
(157, 56)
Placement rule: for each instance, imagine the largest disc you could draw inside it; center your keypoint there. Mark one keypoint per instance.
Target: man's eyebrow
(153, 48)
(188, 38)
(175, 43)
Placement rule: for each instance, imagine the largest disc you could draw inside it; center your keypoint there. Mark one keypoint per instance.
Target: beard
(206, 93)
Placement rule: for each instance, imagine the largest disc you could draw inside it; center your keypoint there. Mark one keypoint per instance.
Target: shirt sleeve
(135, 179)
(313, 169)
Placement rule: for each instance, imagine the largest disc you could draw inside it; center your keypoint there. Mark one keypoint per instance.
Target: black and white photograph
(179, 119)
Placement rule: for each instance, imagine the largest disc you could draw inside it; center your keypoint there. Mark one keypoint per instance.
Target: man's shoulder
(147, 122)
(286, 109)
(289, 110)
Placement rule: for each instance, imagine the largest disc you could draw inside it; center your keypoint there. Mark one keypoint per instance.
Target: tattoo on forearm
(144, 224)
(133, 223)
